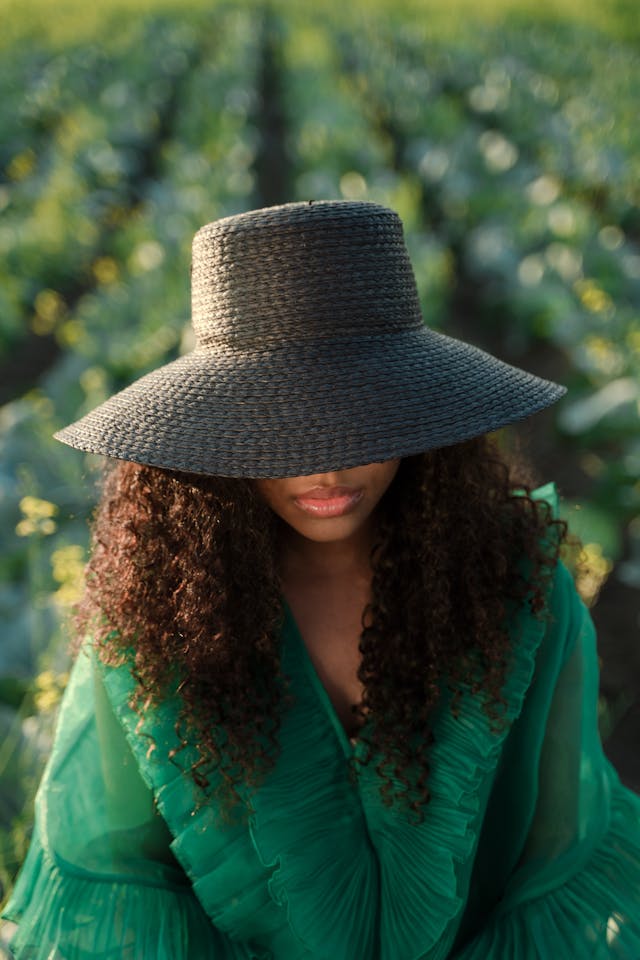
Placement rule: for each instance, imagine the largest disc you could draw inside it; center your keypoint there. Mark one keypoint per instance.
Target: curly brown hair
(183, 582)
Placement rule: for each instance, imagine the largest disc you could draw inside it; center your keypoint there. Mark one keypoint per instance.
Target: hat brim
(297, 410)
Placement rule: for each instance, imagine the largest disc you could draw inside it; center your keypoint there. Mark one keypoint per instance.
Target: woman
(336, 695)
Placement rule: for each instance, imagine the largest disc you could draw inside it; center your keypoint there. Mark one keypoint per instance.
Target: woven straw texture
(311, 356)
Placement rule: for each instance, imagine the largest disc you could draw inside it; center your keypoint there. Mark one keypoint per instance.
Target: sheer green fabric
(530, 846)
(575, 890)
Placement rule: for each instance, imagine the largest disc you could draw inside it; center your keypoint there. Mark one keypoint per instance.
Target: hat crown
(302, 271)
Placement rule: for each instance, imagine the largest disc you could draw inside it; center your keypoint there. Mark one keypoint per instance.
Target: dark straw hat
(311, 356)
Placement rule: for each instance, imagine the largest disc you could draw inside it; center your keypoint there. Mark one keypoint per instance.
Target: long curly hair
(183, 582)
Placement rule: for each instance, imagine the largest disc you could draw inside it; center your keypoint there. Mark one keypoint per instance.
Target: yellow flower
(593, 570)
(38, 517)
(70, 333)
(93, 380)
(49, 689)
(105, 270)
(21, 165)
(633, 339)
(593, 297)
(68, 568)
(49, 307)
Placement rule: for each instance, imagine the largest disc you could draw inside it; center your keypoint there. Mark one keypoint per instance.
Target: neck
(329, 560)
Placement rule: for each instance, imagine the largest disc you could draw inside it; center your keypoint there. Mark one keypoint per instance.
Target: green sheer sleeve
(100, 879)
(575, 890)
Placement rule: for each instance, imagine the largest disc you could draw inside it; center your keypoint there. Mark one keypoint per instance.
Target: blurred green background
(504, 133)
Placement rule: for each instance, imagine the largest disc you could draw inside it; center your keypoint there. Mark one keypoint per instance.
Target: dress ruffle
(229, 879)
(593, 915)
(62, 913)
(425, 868)
(308, 824)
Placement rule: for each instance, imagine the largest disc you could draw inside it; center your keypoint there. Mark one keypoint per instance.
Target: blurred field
(508, 143)
(72, 21)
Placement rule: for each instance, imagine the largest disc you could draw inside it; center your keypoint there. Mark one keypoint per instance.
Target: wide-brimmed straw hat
(311, 356)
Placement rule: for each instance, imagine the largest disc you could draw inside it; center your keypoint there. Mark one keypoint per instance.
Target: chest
(331, 635)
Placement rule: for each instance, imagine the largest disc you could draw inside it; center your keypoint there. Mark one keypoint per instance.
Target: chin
(328, 531)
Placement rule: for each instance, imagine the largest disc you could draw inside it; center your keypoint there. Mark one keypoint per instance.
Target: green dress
(530, 846)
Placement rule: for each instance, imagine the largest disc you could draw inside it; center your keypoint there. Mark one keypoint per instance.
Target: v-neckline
(349, 746)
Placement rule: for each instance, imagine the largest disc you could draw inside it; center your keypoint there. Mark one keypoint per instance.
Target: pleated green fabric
(530, 847)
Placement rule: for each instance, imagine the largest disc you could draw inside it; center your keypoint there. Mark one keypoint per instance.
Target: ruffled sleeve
(62, 912)
(575, 891)
(100, 880)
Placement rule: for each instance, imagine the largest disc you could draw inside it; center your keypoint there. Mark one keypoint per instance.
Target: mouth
(329, 501)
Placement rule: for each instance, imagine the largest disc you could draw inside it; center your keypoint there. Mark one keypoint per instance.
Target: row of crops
(117, 159)
(511, 155)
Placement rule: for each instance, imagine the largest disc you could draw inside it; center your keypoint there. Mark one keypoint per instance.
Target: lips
(329, 501)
